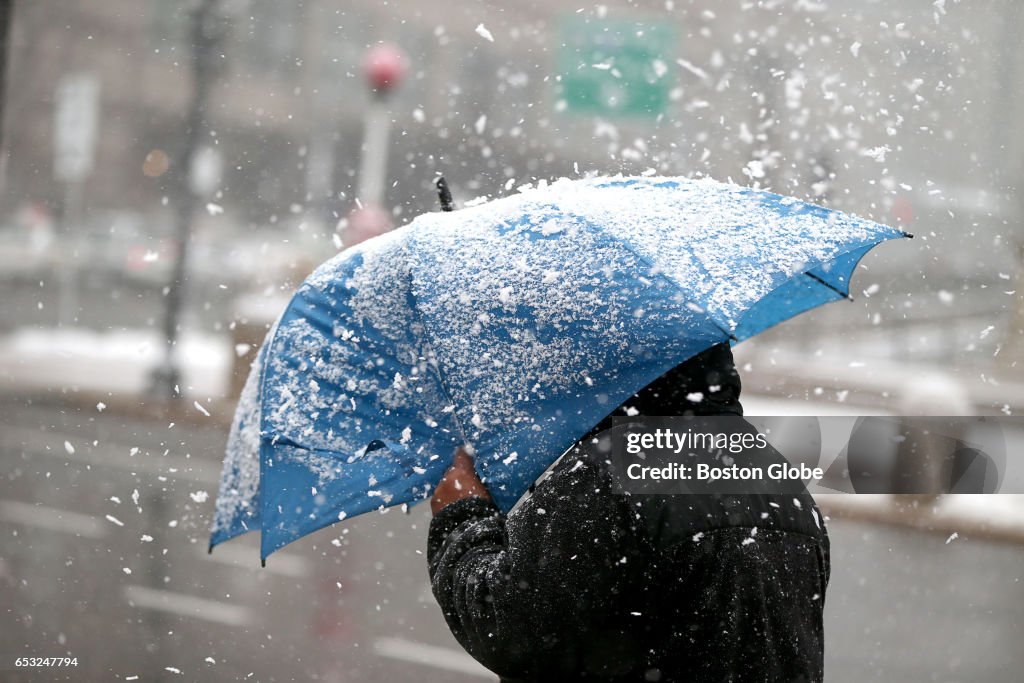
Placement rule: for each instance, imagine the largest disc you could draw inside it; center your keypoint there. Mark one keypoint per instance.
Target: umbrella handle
(444, 194)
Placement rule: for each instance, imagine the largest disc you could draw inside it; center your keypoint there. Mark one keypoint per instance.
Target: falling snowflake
(482, 31)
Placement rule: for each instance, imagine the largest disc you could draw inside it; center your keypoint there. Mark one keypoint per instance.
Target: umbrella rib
(829, 285)
(436, 366)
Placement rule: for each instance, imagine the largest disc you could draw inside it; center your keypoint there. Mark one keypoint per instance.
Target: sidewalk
(879, 383)
(993, 518)
(111, 371)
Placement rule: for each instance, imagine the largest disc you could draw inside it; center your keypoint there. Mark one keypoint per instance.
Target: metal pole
(5, 32)
(71, 259)
(385, 64)
(205, 33)
(373, 166)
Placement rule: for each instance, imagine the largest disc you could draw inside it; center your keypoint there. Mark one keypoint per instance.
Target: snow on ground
(116, 361)
(777, 406)
(1001, 514)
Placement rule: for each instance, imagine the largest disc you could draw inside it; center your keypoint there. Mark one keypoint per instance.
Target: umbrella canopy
(512, 326)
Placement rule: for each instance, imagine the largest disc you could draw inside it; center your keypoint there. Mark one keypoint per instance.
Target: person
(583, 582)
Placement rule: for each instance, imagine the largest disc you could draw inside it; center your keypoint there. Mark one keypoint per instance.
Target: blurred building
(902, 114)
(793, 90)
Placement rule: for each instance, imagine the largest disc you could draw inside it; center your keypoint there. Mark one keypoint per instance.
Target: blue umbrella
(512, 326)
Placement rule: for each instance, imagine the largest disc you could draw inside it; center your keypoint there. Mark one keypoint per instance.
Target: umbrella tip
(908, 235)
(263, 562)
(209, 550)
(444, 194)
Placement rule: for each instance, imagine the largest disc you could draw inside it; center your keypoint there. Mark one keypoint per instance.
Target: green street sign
(610, 68)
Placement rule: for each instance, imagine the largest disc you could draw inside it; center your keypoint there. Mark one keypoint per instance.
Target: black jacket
(584, 582)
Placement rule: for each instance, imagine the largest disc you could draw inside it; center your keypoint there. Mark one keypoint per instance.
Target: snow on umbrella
(512, 326)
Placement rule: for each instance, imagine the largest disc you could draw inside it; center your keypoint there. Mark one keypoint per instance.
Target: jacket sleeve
(525, 593)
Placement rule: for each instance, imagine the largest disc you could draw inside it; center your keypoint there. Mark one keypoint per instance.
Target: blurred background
(172, 170)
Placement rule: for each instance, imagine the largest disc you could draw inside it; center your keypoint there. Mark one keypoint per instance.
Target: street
(104, 556)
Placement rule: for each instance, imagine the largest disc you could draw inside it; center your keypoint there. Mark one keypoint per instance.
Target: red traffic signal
(385, 65)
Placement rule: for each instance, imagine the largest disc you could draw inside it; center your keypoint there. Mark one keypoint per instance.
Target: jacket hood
(707, 384)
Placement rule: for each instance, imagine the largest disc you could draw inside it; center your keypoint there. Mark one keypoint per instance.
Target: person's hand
(460, 481)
